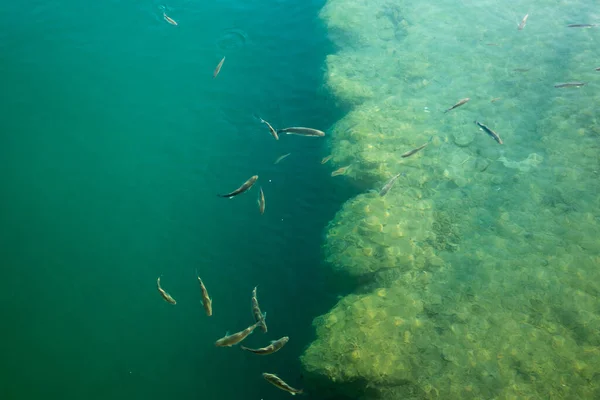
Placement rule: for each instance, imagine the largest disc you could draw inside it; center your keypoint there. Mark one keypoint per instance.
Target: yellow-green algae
(496, 249)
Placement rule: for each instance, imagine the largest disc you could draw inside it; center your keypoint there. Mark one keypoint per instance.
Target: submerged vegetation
(495, 244)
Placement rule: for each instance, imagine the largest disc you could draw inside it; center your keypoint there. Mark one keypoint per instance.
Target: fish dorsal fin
(227, 333)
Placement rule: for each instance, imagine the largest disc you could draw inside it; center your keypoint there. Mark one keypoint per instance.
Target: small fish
(169, 19)
(270, 349)
(521, 69)
(281, 157)
(261, 201)
(325, 159)
(490, 132)
(256, 313)
(460, 103)
(298, 130)
(340, 171)
(413, 151)
(598, 69)
(523, 22)
(495, 99)
(247, 185)
(206, 300)
(164, 294)
(230, 340)
(492, 44)
(569, 84)
(386, 188)
(278, 382)
(218, 69)
(582, 25)
(273, 131)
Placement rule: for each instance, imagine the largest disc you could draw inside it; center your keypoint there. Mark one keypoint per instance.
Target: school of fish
(259, 317)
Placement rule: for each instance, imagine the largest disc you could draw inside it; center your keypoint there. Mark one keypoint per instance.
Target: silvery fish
(169, 19)
(386, 188)
(218, 69)
(413, 151)
(298, 130)
(569, 84)
(523, 22)
(278, 382)
(247, 185)
(489, 132)
(230, 340)
(164, 294)
(206, 300)
(273, 131)
(256, 313)
(460, 103)
(270, 349)
(281, 157)
(261, 201)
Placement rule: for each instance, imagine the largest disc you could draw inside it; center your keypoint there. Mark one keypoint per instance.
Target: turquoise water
(115, 141)
(475, 277)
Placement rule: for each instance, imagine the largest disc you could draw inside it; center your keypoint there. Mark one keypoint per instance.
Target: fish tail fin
(430, 139)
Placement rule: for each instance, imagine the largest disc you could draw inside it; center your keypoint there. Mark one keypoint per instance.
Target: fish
(164, 294)
(278, 382)
(273, 131)
(386, 188)
(230, 340)
(598, 69)
(169, 19)
(340, 171)
(281, 157)
(413, 151)
(261, 201)
(582, 25)
(569, 84)
(247, 185)
(521, 69)
(275, 346)
(206, 300)
(460, 103)
(523, 22)
(218, 69)
(495, 99)
(298, 130)
(489, 132)
(325, 159)
(256, 313)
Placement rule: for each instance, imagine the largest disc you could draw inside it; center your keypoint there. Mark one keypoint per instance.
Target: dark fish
(489, 132)
(230, 340)
(278, 382)
(413, 151)
(257, 314)
(581, 25)
(206, 300)
(164, 294)
(523, 22)
(270, 349)
(218, 69)
(261, 201)
(386, 188)
(273, 131)
(598, 69)
(298, 130)
(569, 84)
(460, 103)
(247, 185)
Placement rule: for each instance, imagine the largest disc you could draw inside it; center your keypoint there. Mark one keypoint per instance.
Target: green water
(475, 277)
(115, 141)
